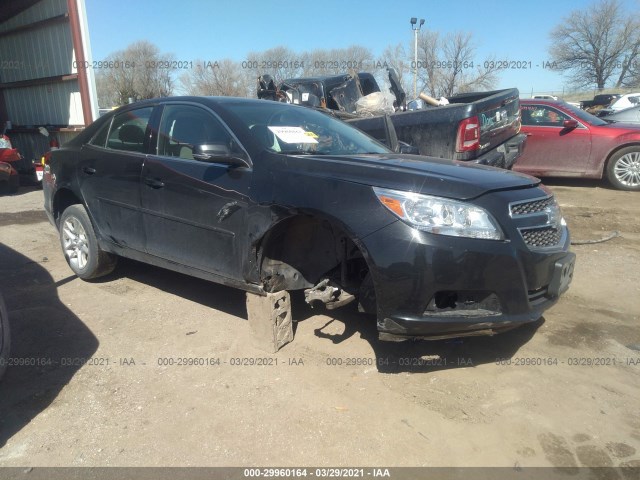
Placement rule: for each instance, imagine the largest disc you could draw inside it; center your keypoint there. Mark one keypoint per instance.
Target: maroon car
(564, 141)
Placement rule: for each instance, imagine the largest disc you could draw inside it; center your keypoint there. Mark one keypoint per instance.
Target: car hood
(427, 175)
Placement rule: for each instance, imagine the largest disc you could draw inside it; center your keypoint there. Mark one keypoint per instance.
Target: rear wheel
(623, 170)
(80, 245)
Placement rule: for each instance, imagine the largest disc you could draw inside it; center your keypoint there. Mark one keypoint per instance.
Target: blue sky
(213, 30)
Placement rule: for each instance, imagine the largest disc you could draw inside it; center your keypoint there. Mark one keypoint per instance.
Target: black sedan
(266, 197)
(4, 337)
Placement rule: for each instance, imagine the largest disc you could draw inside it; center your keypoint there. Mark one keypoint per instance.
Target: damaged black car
(267, 196)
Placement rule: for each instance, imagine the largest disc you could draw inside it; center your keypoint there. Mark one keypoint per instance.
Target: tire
(623, 169)
(5, 337)
(80, 245)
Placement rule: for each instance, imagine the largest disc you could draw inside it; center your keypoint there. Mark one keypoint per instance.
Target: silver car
(628, 115)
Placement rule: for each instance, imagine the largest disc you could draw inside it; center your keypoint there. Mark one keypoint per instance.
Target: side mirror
(570, 124)
(218, 153)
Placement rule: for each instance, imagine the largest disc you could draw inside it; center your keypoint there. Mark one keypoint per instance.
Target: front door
(551, 148)
(194, 211)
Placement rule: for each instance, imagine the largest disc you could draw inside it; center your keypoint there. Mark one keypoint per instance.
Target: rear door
(109, 175)
(194, 212)
(551, 148)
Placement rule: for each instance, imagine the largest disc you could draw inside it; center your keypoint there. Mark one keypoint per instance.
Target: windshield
(284, 128)
(585, 116)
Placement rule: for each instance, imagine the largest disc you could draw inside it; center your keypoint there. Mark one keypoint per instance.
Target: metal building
(44, 76)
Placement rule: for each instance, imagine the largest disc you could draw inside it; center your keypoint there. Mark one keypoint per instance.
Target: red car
(9, 158)
(564, 141)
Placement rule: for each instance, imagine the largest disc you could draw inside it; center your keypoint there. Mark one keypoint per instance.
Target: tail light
(44, 161)
(468, 135)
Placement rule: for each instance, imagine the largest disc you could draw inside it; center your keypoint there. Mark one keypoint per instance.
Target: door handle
(529, 134)
(154, 182)
(89, 170)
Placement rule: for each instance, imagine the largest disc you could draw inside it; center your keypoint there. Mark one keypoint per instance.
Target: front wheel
(80, 245)
(623, 170)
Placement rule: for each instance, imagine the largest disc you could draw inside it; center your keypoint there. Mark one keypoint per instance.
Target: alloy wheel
(627, 169)
(75, 243)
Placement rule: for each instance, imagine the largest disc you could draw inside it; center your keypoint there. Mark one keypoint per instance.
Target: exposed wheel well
(63, 199)
(301, 251)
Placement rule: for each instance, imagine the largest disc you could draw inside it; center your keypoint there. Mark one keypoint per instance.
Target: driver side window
(542, 116)
(184, 126)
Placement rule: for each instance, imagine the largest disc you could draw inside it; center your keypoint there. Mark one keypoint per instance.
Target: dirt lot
(568, 396)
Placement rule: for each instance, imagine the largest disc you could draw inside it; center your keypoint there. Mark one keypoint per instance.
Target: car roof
(543, 101)
(198, 99)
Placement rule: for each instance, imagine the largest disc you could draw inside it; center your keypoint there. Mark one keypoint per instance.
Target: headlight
(440, 215)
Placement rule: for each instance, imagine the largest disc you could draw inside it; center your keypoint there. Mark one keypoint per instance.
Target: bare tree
(447, 65)
(337, 61)
(138, 72)
(224, 78)
(279, 62)
(630, 72)
(107, 96)
(595, 45)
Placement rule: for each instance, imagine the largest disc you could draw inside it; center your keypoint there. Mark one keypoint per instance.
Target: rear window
(100, 139)
(128, 130)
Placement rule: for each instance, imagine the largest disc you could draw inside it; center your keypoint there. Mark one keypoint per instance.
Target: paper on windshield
(294, 135)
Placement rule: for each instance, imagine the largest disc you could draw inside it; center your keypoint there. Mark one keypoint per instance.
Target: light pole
(416, 28)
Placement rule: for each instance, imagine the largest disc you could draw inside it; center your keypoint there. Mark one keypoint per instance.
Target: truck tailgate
(498, 113)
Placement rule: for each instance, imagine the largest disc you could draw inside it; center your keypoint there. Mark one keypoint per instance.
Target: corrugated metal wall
(39, 53)
(54, 104)
(36, 53)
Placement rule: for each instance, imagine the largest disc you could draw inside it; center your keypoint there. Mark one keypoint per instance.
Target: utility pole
(416, 28)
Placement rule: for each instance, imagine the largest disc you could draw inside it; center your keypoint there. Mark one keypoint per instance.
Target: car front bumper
(440, 286)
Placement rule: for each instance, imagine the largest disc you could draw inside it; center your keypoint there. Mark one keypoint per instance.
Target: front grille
(529, 207)
(541, 237)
